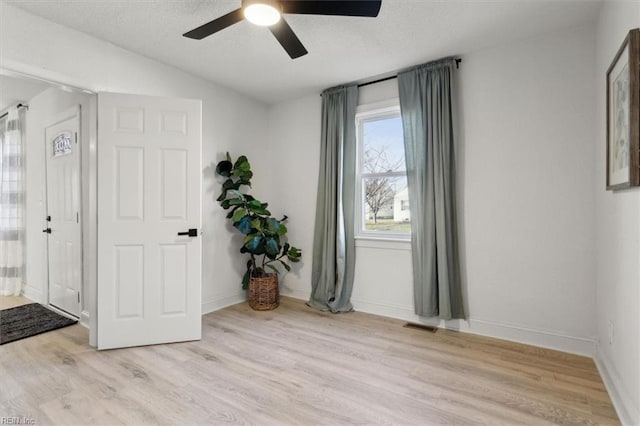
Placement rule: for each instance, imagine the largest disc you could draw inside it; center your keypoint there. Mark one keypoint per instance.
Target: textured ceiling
(341, 49)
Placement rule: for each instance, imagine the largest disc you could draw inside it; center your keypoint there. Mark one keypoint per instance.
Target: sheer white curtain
(12, 199)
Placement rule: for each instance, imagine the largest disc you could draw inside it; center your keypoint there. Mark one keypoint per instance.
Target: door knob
(193, 232)
(47, 231)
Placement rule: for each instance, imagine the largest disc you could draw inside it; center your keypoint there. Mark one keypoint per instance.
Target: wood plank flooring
(7, 302)
(295, 365)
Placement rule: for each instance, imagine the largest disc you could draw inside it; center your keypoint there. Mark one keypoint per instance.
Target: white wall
(526, 194)
(527, 187)
(294, 142)
(618, 239)
(230, 121)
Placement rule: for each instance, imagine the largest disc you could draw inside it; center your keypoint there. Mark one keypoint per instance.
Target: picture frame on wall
(623, 115)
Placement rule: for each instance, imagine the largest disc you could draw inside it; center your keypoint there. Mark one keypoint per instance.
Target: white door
(149, 180)
(63, 211)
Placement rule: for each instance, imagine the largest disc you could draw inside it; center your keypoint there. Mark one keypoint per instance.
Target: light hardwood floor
(7, 302)
(295, 365)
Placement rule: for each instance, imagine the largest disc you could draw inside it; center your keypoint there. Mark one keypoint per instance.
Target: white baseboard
(294, 293)
(215, 304)
(541, 338)
(33, 294)
(625, 408)
(84, 318)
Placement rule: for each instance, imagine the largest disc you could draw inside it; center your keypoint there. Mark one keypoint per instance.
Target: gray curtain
(425, 104)
(333, 243)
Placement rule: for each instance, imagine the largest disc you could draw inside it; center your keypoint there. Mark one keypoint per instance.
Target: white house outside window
(383, 198)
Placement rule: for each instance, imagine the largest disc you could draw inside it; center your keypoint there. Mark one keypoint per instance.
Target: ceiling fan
(268, 13)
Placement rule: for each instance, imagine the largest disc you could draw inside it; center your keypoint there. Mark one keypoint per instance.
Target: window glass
(62, 144)
(383, 207)
(383, 146)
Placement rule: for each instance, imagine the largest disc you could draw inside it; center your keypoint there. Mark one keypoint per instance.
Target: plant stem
(253, 264)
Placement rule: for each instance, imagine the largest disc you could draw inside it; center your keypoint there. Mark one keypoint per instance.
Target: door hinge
(77, 217)
(78, 297)
(76, 137)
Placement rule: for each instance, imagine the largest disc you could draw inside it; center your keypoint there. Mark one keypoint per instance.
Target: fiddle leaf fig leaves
(273, 226)
(242, 163)
(239, 214)
(252, 243)
(294, 254)
(243, 225)
(264, 235)
(230, 184)
(224, 168)
(246, 278)
(272, 248)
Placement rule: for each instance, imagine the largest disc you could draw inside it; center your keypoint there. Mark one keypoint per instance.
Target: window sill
(388, 243)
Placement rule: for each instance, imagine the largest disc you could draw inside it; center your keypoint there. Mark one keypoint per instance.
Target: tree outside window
(382, 174)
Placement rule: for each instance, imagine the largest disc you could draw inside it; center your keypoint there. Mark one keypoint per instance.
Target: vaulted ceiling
(341, 49)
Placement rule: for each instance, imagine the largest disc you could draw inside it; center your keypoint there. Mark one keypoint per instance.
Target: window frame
(368, 112)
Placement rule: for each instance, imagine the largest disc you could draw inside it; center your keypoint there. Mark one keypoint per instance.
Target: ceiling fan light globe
(260, 14)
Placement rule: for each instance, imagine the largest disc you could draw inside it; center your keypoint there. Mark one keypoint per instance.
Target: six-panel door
(149, 180)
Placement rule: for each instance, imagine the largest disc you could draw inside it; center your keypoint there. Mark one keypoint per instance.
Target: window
(383, 197)
(62, 144)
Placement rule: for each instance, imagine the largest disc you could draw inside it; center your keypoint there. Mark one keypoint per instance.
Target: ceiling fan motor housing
(261, 12)
(273, 3)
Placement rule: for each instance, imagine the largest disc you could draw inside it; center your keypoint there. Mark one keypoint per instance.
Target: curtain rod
(380, 80)
(17, 106)
(458, 60)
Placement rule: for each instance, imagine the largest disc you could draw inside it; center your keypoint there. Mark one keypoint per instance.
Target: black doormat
(29, 320)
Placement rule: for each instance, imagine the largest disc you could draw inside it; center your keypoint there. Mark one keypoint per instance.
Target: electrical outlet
(611, 332)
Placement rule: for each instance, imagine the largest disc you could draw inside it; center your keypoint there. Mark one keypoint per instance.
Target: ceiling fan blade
(216, 25)
(366, 8)
(288, 39)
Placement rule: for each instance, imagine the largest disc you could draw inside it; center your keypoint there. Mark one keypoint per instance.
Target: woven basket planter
(264, 294)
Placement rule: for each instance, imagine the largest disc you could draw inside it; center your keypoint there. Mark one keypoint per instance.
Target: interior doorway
(50, 104)
(150, 213)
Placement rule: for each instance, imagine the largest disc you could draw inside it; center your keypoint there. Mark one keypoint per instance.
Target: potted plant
(265, 236)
